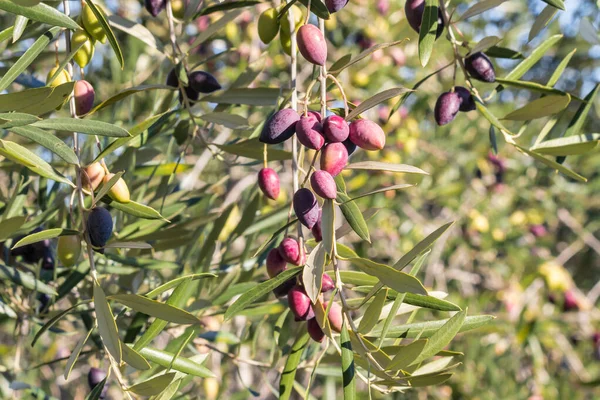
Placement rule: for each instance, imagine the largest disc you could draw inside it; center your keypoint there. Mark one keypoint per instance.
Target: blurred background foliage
(524, 247)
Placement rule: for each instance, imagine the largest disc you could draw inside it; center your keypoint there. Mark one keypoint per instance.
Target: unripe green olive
(268, 25)
(63, 77)
(86, 52)
(68, 250)
(286, 41)
(92, 24)
(178, 8)
(119, 192)
(93, 176)
(297, 16)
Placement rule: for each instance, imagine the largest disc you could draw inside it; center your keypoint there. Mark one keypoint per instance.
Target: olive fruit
(93, 176)
(312, 45)
(334, 158)
(467, 103)
(179, 8)
(268, 25)
(367, 135)
(296, 16)
(335, 5)
(95, 376)
(84, 97)
(306, 207)
(280, 127)
(172, 79)
(276, 264)
(327, 284)
(68, 250)
(316, 115)
(155, 7)
(203, 82)
(335, 128)
(290, 251)
(316, 230)
(446, 108)
(268, 181)
(314, 330)
(92, 24)
(62, 77)
(414, 14)
(86, 51)
(99, 226)
(323, 184)
(335, 317)
(119, 191)
(285, 39)
(480, 67)
(310, 132)
(299, 303)
(283, 289)
(350, 146)
(570, 303)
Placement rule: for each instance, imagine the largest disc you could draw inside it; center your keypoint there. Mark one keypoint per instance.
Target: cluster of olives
(84, 39)
(290, 251)
(198, 82)
(96, 173)
(479, 67)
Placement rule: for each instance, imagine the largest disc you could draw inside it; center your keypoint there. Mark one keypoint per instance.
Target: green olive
(268, 25)
(68, 250)
(62, 78)
(119, 192)
(92, 24)
(86, 52)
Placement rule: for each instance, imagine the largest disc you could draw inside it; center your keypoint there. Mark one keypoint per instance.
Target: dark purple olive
(336, 128)
(480, 67)
(172, 79)
(316, 230)
(327, 284)
(280, 127)
(155, 7)
(414, 14)
(99, 226)
(268, 181)
(314, 330)
(299, 303)
(276, 264)
(335, 5)
(203, 82)
(306, 207)
(446, 108)
(467, 103)
(350, 146)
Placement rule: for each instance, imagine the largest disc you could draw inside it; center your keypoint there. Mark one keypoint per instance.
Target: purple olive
(467, 103)
(414, 14)
(299, 303)
(334, 158)
(350, 146)
(280, 127)
(327, 284)
(336, 129)
(335, 5)
(203, 82)
(336, 320)
(314, 330)
(84, 97)
(312, 44)
(289, 249)
(155, 7)
(446, 108)
(306, 207)
(367, 135)
(275, 263)
(310, 132)
(99, 226)
(480, 67)
(268, 181)
(323, 184)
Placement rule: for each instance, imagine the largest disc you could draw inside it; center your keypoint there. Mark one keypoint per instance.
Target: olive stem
(344, 98)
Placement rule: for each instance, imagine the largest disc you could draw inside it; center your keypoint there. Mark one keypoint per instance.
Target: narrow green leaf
(428, 32)
(155, 309)
(554, 165)
(135, 30)
(407, 355)
(397, 280)
(85, 126)
(375, 100)
(24, 279)
(21, 155)
(17, 119)
(328, 226)
(55, 98)
(348, 369)
(427, 329)
(126, 93)
(255, 150)
(347, 60)
(134, 208)
(422, 246)
(539, 108)
(560, 69)
(49, 141)
(353, 216)
(541, 21)
(442, 337)
(372, 313)
(109, 33)
(10, 226)
(259, 291)
(43, 235)
(382, 166)
(40, 12)
(231, 121)
(133, 358)
(75, 354)
(484, 44)
(312, 273)
(28, 57)
(97, 390)
(578, 120)
(181, 364)
(153, 385)
(480, 7)
(491, 118)
(247, 96)
(108, 185)
(175, 282)
(106, 324)
(288, 375)
(560, 4)
(568, 146)
(533, 86)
